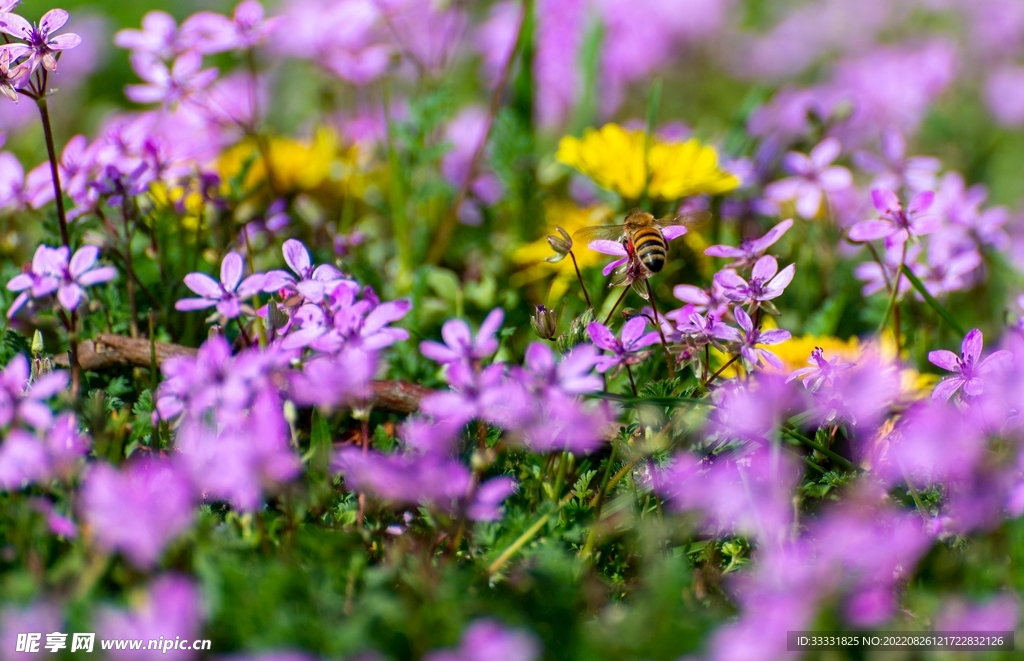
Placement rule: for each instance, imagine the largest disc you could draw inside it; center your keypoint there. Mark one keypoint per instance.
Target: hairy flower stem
(527, 535)
(447, 227)
(892, 302)
(615, 307)
(365, 433)
(707, 363)
(133, 324)
(563, 466)
(661, 331)
(51, 152)
(629, 371)
(71, 325)
(720, 370)
(839, 459)
(588, 547)
(579, 277)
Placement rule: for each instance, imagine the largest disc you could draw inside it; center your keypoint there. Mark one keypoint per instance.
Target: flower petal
(947, 360)
(82, 260)
(296, 256)
(52, 21)
(765, 268)
(231, 271)
(870, 230)
(203, 285)
(602, 337)
(971, 347)
(673, 231)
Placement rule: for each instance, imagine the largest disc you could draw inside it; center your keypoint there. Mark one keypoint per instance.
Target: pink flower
(159, 37)
(752, 337)
(967, 367)
(459, 343)
(39, 38)
(313, 282)
(138, 509)
(171, 85)
(228, 294)
(814, 176)
(766, 282)
(171, 609)
(896, 226)
(750, 250)
(207, 32)
(627, 349)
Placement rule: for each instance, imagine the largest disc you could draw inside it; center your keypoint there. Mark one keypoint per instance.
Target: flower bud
(561, 245)
(577, 333)
(37, 343)
(545, 323)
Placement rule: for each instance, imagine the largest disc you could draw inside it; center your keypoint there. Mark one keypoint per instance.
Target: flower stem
(580, 278)
(629, 371)
(51, 152)
(588, 547)
(527, 535)
(892, 300)
(661, 332)
(448, 222)
(614, 307)
(935, 305)
(721, 369)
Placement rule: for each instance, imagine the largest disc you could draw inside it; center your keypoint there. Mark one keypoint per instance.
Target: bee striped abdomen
(650, 248)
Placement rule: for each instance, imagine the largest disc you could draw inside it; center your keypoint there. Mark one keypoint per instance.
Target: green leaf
(942, 312)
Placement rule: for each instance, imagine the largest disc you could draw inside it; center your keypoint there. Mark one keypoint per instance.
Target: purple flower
(627, 349)
(745, 495)
(313, 283)
(703, 330)
(173, 609)
(235, 463)
(821, 372)
(488, 395)
(208, 32)
(23, 460)
(12, 79)
(23, 402)
(228, 294)
(27, 459)
(332, 381)
(40, 39)
(967, 367)
(459, 343)
(814, 177)
(169, 86)
(573, 375)
(750, 250)
(486, 505)
(51, 272)
(407, 479)
(896, 226)
(488, 640)
(893, 170)
(997, 614)
(711, 301)
(139, 509)
(766, 282)
(214, 381)
(556, 422)
(158, 38)
(752, 337)
(39, 617)
(876, 278)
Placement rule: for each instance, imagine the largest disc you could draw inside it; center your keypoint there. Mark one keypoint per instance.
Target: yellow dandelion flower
(166, 197)
(297, 165)
(569, 217)
(614, 157)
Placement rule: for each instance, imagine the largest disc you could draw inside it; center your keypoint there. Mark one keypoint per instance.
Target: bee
(642, 237)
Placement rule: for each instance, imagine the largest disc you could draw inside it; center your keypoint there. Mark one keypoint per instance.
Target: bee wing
(674, 227)
(588, 234)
